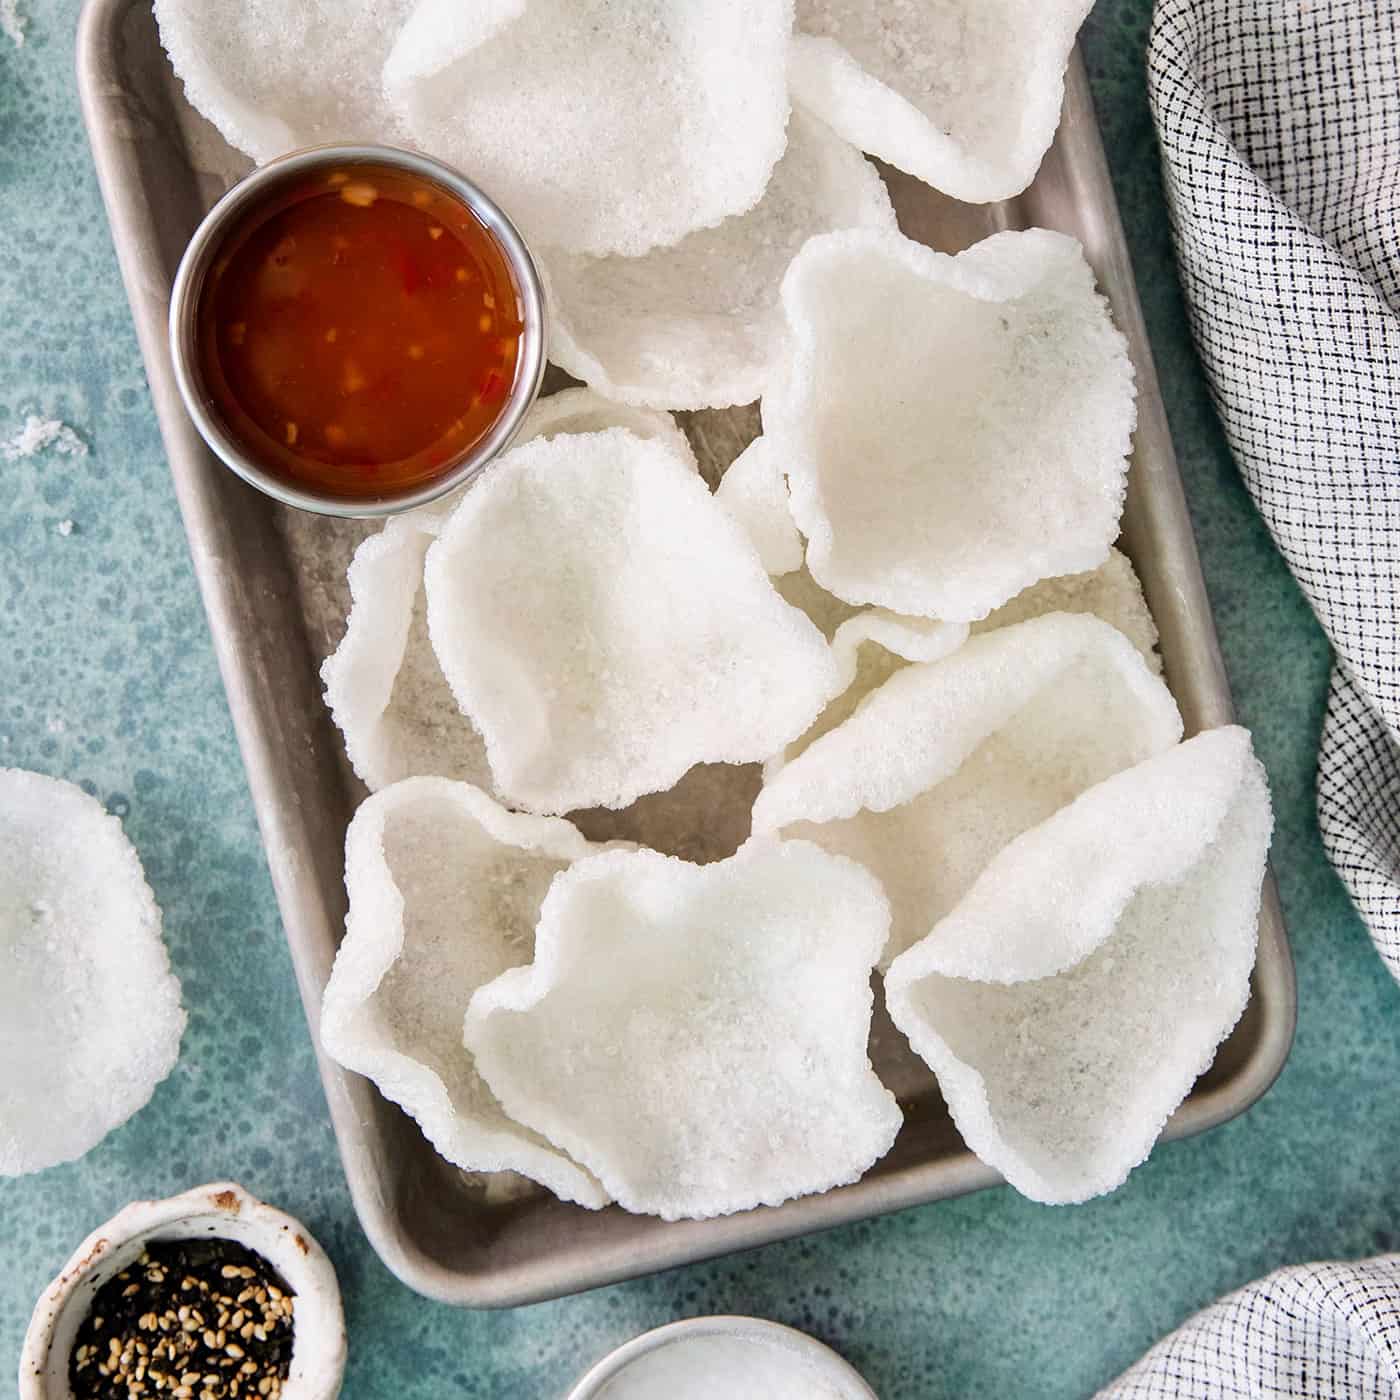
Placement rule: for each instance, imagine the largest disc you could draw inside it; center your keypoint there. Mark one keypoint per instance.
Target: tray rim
(263, 741)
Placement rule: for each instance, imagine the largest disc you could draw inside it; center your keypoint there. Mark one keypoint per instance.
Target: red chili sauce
(360, 332)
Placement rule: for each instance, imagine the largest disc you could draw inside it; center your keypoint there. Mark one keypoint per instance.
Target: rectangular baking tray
(273, 586)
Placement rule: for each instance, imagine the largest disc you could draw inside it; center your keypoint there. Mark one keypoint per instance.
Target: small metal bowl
(203, 252)
(811, 1361)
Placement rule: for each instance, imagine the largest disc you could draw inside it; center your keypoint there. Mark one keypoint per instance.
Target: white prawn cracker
(953, 428)
(445, 887)
(577, 409)
(604, 126)
(754, 492)
(606, 625)
(697, 324)
(963, 94)
(947, 762)
(384, 686)
(1071, 999)
(697, 1035)
(826, 611)
(1112, 592)
(90, 1015)
(908, 639)
(383, 683)
(584, 410)
(274, 75)
(869, 648)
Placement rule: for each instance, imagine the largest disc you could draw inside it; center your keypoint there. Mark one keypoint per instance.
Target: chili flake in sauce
(361, 331)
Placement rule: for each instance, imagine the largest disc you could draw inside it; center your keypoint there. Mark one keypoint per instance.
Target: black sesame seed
(112, 1359)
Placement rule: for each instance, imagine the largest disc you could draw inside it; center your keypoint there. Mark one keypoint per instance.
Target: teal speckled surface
(109, 680)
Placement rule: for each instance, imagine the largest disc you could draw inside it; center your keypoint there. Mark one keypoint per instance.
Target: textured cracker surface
(102, 632)
(1024, 1000)
(721, 1061)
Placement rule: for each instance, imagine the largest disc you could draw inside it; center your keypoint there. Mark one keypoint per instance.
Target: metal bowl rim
(200, 252)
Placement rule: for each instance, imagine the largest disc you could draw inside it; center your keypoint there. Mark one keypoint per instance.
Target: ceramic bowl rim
(219, 1208)
(817, 1355)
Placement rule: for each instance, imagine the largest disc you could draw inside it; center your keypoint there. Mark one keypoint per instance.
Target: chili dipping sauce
(360, 331)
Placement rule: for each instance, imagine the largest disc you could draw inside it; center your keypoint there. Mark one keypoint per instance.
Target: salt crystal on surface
(38, 435)
(12, 22)
(724, 1368)
(90, 1015)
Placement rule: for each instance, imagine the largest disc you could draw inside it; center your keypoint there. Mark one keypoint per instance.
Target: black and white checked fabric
(1325, 1330)
(1279, 123)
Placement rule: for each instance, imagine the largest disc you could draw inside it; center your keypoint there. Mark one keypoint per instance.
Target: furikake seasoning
(201, 1319)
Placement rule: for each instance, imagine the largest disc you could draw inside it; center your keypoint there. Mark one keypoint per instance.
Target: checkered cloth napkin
(1325, 1330)
(1279, 123)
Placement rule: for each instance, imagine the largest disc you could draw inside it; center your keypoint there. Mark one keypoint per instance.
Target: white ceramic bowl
(219, 1209)
(799, 1356)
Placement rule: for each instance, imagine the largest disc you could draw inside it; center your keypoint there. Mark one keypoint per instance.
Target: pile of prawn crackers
(899, 625)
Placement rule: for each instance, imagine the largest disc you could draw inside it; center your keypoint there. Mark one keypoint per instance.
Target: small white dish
(221, 1209)
(697, 1359)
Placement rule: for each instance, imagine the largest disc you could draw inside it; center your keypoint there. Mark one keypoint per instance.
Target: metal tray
(273, 585)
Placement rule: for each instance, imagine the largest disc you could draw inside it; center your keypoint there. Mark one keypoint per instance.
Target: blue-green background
(107, 677)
